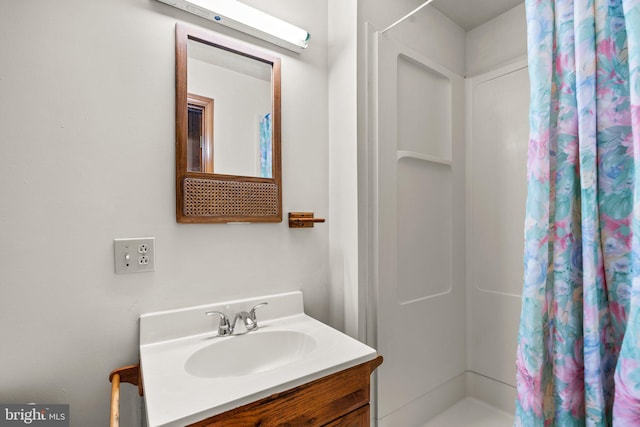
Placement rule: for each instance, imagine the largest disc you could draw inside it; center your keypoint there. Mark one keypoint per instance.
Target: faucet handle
(253, 323)
(224, 328)
(252, 313)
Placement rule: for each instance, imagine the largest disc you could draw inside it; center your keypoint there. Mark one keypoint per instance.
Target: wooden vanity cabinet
(337, 400)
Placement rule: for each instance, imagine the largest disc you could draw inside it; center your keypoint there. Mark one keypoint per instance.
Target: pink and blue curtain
(578, 357)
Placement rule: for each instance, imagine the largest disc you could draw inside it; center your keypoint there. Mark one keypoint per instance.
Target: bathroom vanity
(290, 370)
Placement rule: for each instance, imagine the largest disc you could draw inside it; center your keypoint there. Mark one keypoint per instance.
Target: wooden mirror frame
(218, 198)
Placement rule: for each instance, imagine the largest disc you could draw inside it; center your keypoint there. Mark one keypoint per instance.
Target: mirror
(228, 131)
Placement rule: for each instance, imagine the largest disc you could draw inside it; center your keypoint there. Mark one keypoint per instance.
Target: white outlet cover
(134, 255)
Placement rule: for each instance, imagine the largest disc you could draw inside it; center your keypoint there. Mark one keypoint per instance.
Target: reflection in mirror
(227, 131)
(200, 134)
(241, 123)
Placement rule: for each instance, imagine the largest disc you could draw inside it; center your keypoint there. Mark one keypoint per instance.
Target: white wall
(428, 31)
(343, 162)
(497, 139)
(87, 154)
(500, 41)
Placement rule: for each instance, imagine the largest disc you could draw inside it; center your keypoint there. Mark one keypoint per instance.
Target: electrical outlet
(134, 255)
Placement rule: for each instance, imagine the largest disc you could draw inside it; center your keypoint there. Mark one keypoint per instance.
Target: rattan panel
(208, 197)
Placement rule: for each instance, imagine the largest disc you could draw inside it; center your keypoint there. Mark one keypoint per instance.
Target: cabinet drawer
(357, 418)
(313, 404)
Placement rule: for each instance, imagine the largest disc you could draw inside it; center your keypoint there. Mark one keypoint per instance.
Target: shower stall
(446, 158)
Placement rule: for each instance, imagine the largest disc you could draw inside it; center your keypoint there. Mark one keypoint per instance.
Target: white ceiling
(472, 13)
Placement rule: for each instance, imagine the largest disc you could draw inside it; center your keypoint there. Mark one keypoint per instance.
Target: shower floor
(471, 412)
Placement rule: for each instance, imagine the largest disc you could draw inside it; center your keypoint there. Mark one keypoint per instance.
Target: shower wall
(415, 210)
(420, 222)
(497, 132)
(441, 197)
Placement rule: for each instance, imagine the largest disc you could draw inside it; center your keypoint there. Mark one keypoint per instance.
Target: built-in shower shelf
(414, 155)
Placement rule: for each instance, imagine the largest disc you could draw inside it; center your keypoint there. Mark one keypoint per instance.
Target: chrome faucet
(225, 328)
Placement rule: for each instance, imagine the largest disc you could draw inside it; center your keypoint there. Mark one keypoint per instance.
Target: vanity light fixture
(239, 16)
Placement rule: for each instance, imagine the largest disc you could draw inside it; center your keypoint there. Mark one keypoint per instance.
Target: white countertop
(173, 397)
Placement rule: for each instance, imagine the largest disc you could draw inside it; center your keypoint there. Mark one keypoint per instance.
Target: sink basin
(253, 353)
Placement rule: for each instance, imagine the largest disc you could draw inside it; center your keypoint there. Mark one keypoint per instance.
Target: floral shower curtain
(578, 358)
